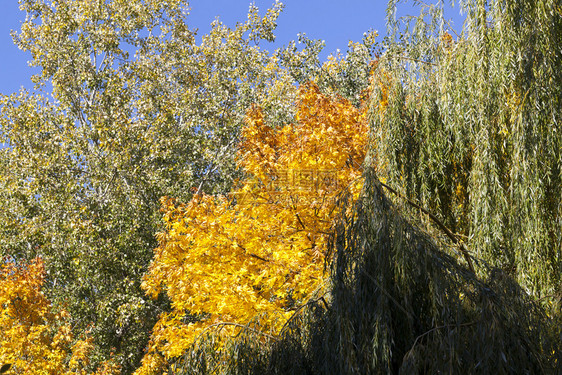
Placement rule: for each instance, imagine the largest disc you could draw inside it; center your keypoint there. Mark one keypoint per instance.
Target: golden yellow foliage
(34, 339)
(447, 42)
(260, 252)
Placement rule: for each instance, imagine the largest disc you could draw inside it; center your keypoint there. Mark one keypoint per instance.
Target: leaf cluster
(226, 263)
(35, 339)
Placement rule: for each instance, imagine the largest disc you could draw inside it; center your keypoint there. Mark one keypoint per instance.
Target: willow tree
(399, 303)
(469, 125)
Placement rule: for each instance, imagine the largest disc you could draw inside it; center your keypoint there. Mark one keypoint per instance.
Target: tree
(249, 263)
(35, 340)
(347, 75)
(138, 111)
(470, 127)
(398, 302)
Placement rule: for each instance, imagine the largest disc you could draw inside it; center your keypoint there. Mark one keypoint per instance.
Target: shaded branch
(222, 324)
(442, 226)
(299, 309)
(440, 327)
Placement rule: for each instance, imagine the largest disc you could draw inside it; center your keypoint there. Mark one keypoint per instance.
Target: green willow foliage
(472, 130)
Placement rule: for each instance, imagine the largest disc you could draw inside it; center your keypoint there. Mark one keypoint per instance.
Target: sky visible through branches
(335, 22)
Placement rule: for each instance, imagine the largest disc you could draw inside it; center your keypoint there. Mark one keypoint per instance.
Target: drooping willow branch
(453, 237)
(301, 307)
(241, 326)
(441, 327)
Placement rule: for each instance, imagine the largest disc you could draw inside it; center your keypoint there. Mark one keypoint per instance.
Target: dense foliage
(34, 339)
(139, 111)
(169, 205)
(398, 303)
(471, 128)
(224, 263)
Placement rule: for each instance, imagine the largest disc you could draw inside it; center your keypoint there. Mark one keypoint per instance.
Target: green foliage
(347, 75)
(472, 129)
(138, 111)
(409, 307)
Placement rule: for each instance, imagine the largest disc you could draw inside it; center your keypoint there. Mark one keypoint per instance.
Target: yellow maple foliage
(259, 253)
(34, 339)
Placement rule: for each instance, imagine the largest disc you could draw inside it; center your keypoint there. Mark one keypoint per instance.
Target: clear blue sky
(336, 22)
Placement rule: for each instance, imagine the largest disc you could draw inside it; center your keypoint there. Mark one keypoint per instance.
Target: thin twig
(298, 310)
(440, 327)
(252, 254)
(300, 221)
(417, 60)
(239, 326)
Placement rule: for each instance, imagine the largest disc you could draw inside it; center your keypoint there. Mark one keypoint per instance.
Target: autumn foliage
(35, 340)
(258, 254)
(297, 233)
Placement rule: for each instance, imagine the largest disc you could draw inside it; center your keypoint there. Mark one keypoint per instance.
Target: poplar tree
(127, 108)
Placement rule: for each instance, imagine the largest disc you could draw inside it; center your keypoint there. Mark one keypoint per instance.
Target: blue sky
(328, 20)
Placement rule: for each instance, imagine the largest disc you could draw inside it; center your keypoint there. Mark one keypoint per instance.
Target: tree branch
(271, 337)
(442, 226)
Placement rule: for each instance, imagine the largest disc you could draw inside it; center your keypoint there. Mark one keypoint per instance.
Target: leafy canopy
(127, 108)
(227, 262)
(471, 128)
